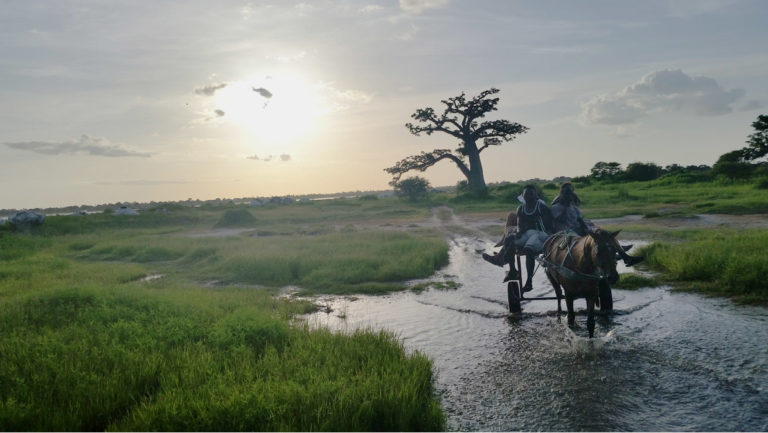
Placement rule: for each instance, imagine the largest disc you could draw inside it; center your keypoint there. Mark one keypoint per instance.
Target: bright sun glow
(274, 109)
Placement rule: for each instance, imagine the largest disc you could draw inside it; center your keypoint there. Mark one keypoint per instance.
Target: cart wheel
(606, 296)
(513, 295)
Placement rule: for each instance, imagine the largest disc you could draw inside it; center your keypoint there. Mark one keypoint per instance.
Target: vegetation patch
(236, 218)
(719, 262)
(335, 263)
(123, 358)
(632, 281)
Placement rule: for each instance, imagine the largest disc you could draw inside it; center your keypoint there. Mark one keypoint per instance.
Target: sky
(120, 101)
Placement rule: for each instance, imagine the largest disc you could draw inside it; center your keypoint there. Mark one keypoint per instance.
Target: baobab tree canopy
(461, 118)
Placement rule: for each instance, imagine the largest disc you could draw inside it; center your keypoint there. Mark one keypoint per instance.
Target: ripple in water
(664, 361)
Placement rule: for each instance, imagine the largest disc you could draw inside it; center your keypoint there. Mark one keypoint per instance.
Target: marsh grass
(86, 344)
(363, 262)
(719, 262)
(182, 359)
(633, 281)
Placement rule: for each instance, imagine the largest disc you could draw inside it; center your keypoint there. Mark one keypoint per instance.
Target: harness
(567, 239)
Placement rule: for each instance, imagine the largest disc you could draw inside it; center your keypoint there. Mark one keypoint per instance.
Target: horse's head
(603, 253)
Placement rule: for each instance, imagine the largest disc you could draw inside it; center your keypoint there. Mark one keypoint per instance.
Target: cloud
(287, 58)
(416, 6)
(370, 9)
(341, 100)
(142, 182)
(89, 145)
(284, 157)
(219, 113)
(686, 8)
(210, 89)
(752, 104)
(661, 91)
(408, 34)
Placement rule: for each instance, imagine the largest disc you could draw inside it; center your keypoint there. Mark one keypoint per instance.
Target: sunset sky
(107, 101)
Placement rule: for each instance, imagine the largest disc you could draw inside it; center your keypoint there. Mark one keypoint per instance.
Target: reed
(719, 262)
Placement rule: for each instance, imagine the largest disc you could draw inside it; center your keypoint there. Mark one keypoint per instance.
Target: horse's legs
(591, 316)
(571, 313)
(558, 292)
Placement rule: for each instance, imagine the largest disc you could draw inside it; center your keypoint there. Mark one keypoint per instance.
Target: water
(663, 361)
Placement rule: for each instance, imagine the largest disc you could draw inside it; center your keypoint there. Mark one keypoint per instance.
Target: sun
(273, 110)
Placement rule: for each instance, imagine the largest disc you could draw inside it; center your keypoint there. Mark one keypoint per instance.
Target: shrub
(413, 189)
(236, 218)
(640, 171)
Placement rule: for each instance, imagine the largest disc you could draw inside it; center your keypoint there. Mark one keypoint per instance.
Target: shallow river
(663, 361)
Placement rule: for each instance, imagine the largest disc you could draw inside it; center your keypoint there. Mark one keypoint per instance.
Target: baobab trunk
(476, 178)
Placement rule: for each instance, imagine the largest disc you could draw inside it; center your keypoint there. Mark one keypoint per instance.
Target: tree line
(462, 119)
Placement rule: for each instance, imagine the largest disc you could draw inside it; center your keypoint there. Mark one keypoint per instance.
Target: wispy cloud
(409, 33)
(417, 6)
(752, 104)
(661, 91)
(141, 182)
(341, 100)
(685, 8)
(95, 146)
(289, 58)
(210, 89)
(370, 9)
(284, 158)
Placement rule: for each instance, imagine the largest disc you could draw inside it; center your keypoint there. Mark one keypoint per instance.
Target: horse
(580, 266)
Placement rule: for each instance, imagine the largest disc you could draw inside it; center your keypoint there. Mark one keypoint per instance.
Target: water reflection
(663, 361)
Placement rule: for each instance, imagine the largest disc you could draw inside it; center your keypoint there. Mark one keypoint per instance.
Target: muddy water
(663, 361)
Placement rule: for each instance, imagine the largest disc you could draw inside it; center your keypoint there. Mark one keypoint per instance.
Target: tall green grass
(361, 262)
(129, 358)
(86, 345)
(720, 262)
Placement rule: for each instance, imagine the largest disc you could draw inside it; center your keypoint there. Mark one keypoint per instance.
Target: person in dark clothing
(510, 229)
(567, 216)
(534, 225)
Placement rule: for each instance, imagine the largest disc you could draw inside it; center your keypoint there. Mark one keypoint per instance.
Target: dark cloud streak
(94, 146)
(210, 89)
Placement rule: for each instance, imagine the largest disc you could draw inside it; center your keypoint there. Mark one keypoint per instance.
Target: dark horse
(580, 266)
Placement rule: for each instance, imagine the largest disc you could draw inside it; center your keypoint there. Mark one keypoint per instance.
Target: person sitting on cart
(566, 216)
(534, 225)
(510, 229)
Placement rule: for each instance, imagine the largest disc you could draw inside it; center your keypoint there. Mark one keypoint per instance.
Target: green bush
(722, 262)
(236, 218)
(413, 189)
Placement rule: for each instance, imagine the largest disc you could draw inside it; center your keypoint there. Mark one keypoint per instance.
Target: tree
(758, 141)
(413, 188)
(732, 165)
(643, 171)
(605, 170)
(459, 119)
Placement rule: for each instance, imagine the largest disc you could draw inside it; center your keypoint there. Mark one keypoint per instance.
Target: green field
(169, 320)
(722, 262)
(92, 341)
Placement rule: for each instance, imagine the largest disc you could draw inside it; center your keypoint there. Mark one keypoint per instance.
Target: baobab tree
(459, 119)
